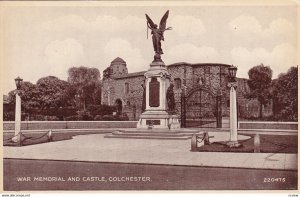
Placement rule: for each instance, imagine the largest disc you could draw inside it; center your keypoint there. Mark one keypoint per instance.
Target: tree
(50, 95)
(87, 84)
(29, 97)
(260, 78)
(285, 94)
(53, 92)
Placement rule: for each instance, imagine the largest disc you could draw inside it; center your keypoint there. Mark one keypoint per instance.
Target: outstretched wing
(150, 22)
(163, 22)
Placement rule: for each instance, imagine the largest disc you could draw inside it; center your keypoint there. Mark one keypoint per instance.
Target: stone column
(233, 142)
(16, 138)
(165, 82)
(147, 93)
(233, 115)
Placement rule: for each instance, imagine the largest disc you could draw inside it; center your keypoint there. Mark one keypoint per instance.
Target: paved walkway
(172, 152)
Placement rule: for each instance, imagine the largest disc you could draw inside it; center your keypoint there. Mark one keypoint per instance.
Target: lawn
(37, 138)
(268, 144)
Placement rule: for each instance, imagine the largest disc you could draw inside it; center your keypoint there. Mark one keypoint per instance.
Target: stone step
(147, 132)
(157, 132)
(149, 137)
(160, 131)
(151, 134)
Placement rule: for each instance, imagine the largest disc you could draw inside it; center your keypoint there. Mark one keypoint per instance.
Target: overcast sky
(47, 40)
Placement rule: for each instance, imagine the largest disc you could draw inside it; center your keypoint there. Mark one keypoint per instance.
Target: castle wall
(131, 99)
(212, 77)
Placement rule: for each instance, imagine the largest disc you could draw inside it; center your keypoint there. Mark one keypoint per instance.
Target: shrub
(123, 117)
(98, 117)
(85, 115)
(101, 110)
(38, 117)
(51, 118)
(108, 117)
(8, 116)
(58, 112)
(72, 118)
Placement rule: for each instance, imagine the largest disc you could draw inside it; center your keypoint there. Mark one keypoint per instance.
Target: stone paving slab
(96, 148)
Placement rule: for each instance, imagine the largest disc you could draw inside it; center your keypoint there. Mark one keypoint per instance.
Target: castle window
(200, 81)
(126, 88)
(177, 83)
(128, 103)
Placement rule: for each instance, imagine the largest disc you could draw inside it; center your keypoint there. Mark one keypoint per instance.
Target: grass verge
(268, 144)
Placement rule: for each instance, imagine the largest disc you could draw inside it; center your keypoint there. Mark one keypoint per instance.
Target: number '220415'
(271, 180)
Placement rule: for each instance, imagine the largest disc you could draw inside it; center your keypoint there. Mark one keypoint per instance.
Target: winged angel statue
(158, 34)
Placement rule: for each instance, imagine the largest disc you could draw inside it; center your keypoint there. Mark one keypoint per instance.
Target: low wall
(40, 125)
(268, 125)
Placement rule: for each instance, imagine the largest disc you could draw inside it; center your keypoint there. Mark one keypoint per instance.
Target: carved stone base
(154, 119)
(158, 119)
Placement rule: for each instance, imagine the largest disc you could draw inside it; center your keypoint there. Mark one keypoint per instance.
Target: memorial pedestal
(156, 116)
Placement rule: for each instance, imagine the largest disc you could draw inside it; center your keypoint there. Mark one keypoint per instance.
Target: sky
(40, 40)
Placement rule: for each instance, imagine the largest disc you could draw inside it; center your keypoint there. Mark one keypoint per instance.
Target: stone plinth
(157, 81)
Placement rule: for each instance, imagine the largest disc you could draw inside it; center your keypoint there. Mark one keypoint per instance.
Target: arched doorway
(201, 108)
(118, 104)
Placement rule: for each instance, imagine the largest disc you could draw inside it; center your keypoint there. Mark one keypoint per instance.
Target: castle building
(203, 84)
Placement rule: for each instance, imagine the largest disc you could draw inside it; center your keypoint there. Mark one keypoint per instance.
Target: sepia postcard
(149, 96)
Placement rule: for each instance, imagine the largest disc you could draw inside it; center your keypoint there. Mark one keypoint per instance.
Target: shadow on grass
(268, 144)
